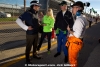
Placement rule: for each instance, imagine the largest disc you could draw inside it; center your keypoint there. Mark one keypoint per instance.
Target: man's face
(75, 9)
(36, 7)
(63, 7)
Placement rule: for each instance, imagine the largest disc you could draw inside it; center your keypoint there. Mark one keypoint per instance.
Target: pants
(44, 34)
(74, 46)
(31, 40)
(61, 40)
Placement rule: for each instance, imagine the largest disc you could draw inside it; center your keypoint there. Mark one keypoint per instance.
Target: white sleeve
(21, 24)
(78, 28)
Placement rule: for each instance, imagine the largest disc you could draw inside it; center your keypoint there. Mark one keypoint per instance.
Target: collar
(63, 12)
(33, 11)
(79, 16)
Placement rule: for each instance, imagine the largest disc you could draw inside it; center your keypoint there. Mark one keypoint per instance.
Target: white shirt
(79, 27)
(64, 12)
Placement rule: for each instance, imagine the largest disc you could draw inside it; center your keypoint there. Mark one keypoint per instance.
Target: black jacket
(62, 22)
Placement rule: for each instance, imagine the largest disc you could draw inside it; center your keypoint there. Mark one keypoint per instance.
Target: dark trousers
(31, 40)
(44, 34)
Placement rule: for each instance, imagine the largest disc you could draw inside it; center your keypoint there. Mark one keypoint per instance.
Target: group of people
(92, 19)
(69, 28)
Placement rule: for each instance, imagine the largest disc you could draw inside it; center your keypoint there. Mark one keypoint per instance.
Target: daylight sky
(94, 3)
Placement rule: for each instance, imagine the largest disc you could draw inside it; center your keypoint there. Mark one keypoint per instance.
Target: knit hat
(35, 2)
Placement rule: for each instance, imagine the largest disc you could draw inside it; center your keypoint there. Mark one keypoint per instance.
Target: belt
(81, 39)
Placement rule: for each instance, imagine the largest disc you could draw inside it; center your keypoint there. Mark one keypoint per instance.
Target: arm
(52, 23)
(71, 21)
(20, 20)
(55, 24)
(21, 24)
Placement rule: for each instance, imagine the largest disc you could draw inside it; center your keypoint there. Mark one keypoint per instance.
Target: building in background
(16, 10)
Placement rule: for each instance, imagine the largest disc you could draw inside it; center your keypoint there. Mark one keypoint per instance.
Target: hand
(30, 28)
(44, 24)
(68, 28)
(67, 36)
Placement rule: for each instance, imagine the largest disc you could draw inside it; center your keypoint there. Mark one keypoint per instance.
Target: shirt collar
(79, 16)
(63, 12)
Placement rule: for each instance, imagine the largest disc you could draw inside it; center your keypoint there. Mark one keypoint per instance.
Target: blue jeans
(61, 40)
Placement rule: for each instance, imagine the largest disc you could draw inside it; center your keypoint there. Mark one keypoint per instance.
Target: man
(90, 21)
(63, 19)
(74, 42)
(31, 27)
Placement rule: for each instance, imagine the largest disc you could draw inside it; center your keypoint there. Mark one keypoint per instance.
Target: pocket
(76, 46)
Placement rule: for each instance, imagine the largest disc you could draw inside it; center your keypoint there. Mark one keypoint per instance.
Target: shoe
(46, 39)
(37, 51)
(36, 56)
(52, 39)
(28, 62)
(66, 59)
(57, 54)
(38, 48)
(49, 52)
(99, 40)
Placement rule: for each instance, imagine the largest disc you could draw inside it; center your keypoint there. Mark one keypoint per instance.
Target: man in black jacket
(31, 27)
(63, 19)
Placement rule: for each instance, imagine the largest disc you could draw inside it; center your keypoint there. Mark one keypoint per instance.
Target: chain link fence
(10, 32)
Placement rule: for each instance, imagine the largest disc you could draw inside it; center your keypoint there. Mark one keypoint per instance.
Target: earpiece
(79, 12)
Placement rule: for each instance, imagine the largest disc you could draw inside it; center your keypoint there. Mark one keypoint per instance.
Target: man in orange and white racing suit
(74, 43)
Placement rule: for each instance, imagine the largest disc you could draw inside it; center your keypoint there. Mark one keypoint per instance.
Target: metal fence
(10, 32)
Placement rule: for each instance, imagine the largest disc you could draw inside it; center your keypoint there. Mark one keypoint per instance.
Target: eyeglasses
(75, 7)
(62, 4)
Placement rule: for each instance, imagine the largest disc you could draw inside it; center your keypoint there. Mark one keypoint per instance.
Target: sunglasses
(75, 7)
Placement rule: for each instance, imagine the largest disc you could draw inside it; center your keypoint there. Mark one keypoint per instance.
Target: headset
(79, 12)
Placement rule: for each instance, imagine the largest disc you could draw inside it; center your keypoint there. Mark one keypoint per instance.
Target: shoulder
(68, 12)
(80, 20)
(45, 16)
(59, 12)
(27, 13)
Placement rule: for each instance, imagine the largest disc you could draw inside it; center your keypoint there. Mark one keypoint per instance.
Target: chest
(47, 20)
(32, 19)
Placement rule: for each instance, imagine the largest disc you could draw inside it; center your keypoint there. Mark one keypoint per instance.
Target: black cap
(79, 3)
(63, 3)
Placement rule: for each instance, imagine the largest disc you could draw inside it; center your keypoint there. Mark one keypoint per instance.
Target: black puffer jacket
(63, 21)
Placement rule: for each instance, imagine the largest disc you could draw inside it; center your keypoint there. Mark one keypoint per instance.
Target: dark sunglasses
(62, 4)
